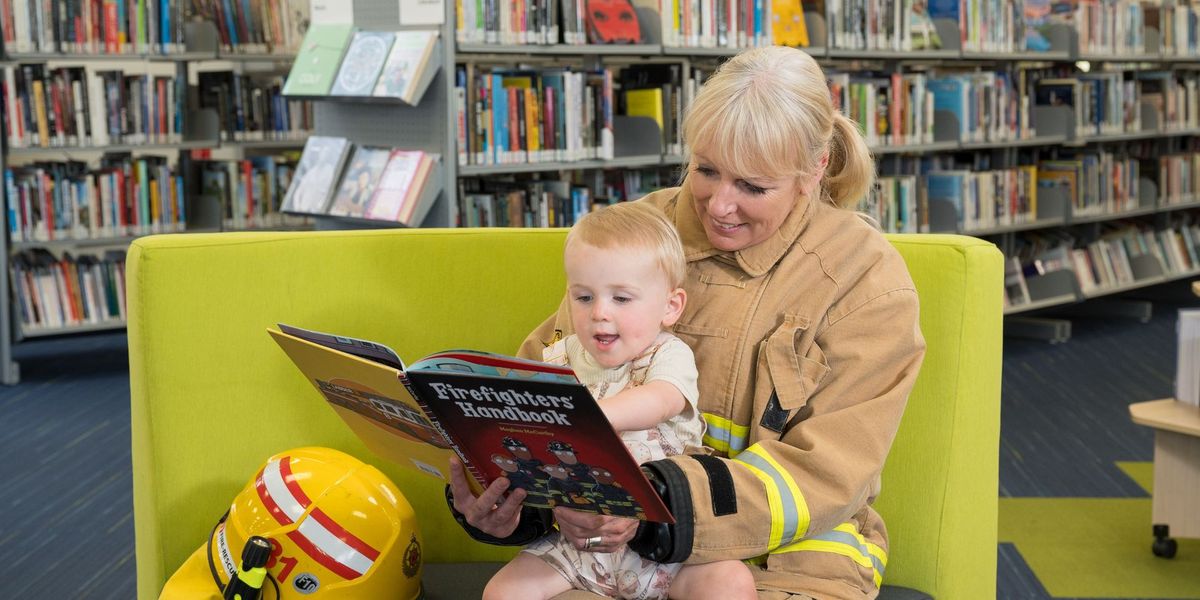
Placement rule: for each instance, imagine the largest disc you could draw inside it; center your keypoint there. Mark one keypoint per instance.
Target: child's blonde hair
(767, 113)
(637, 225)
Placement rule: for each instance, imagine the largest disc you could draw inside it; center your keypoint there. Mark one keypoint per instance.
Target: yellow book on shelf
(787, 24)
(645, 103)
(39, 101)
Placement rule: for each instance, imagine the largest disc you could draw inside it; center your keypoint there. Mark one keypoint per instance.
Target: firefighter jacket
(807, 346)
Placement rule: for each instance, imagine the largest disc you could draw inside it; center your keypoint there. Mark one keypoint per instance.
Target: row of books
(1121, 254)
(83, 106)
(1089, 183)
(340, 60)
(696, 24)
(252, 106)
(898, 204)
(53, 292)
(1112, 102)
(249, 192)
(892, 110)
(89, 26)
(67, 200)
(335, 177)
(1179, 177)
(276, 26)
(535, 200)
(509, 116)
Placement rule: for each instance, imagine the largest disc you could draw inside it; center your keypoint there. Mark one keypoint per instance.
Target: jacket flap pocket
(794, 377)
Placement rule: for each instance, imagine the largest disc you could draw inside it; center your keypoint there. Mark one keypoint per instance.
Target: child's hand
(492, 512)
(578, 527)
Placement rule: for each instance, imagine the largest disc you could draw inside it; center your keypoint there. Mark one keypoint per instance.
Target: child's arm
(644, 406)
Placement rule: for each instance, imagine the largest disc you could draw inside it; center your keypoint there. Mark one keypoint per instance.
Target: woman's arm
(821, 470)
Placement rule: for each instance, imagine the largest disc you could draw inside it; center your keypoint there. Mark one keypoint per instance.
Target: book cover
(363, 61)
(359, 181)
(316, 174)
(531, 422)
(392, 193)
(645, 103)
(407, 61)
(317, 62)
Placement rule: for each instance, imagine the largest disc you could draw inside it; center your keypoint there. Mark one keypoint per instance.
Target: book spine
(437, 424)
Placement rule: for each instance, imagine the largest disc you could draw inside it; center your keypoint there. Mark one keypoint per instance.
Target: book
(316, 174)
(1187, 377)
(362, 63)
(407, 65)
(359, 181)
(317, 62)
(645, 103)
(502, 416)
(787, 23)
(400, 187)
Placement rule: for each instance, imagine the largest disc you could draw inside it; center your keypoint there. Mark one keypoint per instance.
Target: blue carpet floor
(67, 529)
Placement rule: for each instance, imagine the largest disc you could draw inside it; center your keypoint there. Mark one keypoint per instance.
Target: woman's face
(739, 212)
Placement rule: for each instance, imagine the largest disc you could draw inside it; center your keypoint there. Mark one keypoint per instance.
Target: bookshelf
(195, 133)
(1052, 133)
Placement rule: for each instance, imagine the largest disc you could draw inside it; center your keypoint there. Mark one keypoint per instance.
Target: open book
(531, 422)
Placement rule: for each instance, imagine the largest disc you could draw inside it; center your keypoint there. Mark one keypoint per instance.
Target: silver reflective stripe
(849, 540)
(791, 516)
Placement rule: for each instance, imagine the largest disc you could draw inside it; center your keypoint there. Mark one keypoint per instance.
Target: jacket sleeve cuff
(661, 542)
(534, 524)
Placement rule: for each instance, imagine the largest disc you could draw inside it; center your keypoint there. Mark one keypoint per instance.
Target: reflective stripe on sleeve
(846, 541)
(789, 511)
(725, 435)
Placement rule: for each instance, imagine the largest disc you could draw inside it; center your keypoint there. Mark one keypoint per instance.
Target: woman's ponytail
(851, 171)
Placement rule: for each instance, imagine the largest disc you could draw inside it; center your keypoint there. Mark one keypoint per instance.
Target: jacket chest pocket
(789, 371)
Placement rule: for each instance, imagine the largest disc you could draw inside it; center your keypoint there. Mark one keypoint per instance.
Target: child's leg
(722, 580)
(526, 576)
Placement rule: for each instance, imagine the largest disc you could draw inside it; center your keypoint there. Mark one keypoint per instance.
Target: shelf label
(422, 12)
(332, 12)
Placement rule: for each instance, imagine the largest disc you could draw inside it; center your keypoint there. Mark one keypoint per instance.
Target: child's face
(620, 300)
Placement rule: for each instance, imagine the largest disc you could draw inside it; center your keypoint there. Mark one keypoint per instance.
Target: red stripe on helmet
(285, 471)
(265, 496)
(323, 559)
(347, 537)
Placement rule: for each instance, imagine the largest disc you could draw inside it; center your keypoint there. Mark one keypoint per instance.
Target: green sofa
(213, 396)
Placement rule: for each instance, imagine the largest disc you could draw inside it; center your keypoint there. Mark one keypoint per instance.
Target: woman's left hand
(578, 527)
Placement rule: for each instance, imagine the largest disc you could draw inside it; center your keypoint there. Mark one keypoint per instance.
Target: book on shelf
(409, 67)
(317, 62)
(1016, 291)
(399, 194)
(531, 422)
(787, 25)
(358, 182)
(1187, 372)
(317, 174)
(362, 63)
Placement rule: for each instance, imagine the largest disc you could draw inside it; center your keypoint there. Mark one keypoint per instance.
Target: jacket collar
(756, 260)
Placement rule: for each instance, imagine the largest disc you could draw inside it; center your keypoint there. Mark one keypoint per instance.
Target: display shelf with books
(100, 122)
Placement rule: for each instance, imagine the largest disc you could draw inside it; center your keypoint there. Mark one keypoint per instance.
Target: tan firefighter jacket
(807, 346)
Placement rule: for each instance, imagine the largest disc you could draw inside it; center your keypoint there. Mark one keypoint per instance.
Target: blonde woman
(804, 324)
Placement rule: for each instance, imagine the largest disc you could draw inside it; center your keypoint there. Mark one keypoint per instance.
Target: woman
(804, 324)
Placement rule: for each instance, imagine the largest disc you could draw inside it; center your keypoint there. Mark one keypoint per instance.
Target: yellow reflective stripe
(789, 511)
(725, 435)
(845, 540)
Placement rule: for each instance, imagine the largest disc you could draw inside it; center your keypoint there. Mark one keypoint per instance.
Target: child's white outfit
(623, 573)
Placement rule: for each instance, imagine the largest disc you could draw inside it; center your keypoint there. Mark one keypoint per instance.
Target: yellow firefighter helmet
(338, 529)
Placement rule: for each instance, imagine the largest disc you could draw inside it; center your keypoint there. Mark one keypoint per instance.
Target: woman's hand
(491, 512)
(578, 527)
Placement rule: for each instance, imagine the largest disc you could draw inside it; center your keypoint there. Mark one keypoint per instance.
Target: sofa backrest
(213, 396)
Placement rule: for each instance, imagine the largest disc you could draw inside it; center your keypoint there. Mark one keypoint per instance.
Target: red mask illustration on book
(612, 22)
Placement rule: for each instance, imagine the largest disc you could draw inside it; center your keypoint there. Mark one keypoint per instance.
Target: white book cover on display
(1187, 374)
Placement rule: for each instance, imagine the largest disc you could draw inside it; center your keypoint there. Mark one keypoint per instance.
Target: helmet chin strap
(212, 567)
